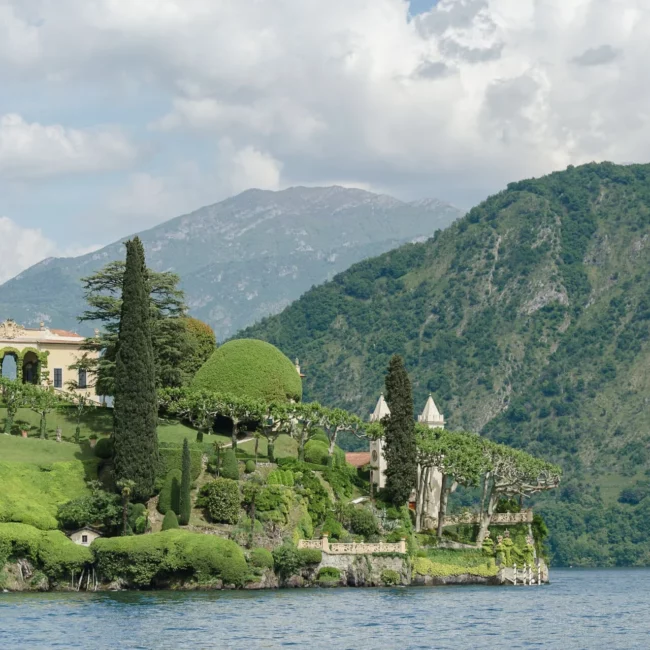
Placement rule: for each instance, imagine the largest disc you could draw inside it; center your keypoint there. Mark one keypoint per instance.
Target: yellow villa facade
(44, 356)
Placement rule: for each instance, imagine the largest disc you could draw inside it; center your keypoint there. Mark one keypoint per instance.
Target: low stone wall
(498, 519)
(352, 548)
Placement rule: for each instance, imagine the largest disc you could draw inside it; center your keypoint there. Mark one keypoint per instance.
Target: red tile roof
(358, 458)
(64, 333)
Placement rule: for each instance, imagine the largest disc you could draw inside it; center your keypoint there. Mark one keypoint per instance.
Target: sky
(116, 116)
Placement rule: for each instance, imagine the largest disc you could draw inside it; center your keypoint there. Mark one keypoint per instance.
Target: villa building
(43, 356)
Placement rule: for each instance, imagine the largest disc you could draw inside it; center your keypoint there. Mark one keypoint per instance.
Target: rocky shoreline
(361, 571)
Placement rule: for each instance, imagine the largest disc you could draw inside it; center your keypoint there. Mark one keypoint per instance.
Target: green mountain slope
(529, 321)
(242, 259)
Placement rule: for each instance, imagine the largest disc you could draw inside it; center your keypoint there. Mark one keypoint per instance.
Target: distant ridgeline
(529, 320)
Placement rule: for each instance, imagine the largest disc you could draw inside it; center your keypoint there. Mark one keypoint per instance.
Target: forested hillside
(529, 321)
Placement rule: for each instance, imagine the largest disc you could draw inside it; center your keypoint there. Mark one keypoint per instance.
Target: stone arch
(33, 362)
(16, 356)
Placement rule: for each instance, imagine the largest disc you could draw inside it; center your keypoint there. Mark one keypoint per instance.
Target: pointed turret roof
(381, 410)
(431, 415)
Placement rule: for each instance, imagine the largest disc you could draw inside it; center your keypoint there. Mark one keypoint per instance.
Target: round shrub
(251, 368)
(363, 522)
(170, 520)
(230, 466)
(221, 499)
(316, 452)
(250, 466)
(333, 528)
(104, 448)
(171, 492)
(261, 558)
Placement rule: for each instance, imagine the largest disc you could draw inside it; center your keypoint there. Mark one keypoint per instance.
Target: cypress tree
(399, 440)
(135, 412)
(186, 485)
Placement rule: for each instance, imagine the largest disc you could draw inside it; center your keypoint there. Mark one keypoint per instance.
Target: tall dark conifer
(135, 412)
(399, 441)
(186, 486)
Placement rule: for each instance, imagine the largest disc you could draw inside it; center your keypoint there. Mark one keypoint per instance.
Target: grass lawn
(41, 452)
(285, 447)
(464, 558)
(611, 485)
(31, 493)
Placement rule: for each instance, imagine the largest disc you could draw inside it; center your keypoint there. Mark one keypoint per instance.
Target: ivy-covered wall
(19, 356)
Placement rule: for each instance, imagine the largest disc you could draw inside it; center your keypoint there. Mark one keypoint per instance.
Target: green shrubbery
(261, 558)
(100, 508)
(230, 466)
(363, 522)
(170, 521)
(286, 560)
(221, 499)
(250, 368)
(316, 452)
(171, 457)
(328, 574)
(250, 466)
(390, 577)
(425, 567)
(281, 477)
(170, 494)
(310, 556)
(104, 448)
(50, 551)
(152, 559)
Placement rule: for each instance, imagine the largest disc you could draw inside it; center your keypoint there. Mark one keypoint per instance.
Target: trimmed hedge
(252, 368)
(152, 559)
(229, 465)
(104, 448)
(171, 457)
(261, 558)
(281, 477)
(363, 522)
(170, 521)
(221, 499)
(50, 551)
(250, 466)
(316, 452)
(170, 494)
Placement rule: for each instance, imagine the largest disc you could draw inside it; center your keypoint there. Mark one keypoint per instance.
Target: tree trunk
(125, 509)
(442, 511)
(252, 533)
(257, 446)
(43, 425)
(271, 454)
(486, 517)
(233, 434)
(420, 498)
(330, 459)
(301, 449)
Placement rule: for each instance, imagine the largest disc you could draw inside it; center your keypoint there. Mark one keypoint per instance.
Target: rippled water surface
(581, 609)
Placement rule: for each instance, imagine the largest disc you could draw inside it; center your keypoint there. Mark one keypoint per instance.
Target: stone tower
(377, 458)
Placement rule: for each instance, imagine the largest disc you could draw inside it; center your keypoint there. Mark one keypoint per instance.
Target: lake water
(580, 609)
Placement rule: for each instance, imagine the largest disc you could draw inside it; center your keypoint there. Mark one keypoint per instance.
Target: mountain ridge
(529, 321)
(242, 258)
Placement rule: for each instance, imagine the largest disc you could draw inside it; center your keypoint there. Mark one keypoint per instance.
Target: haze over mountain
(242, 259)
(529, 320)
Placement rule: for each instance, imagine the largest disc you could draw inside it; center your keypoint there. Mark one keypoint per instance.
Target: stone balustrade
(498, 518)
(352, 548)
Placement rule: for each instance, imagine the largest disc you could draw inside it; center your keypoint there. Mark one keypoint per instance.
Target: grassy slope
(529, 321)
(31, 492)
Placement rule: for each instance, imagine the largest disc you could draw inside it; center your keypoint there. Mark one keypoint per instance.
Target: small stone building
(84, 536)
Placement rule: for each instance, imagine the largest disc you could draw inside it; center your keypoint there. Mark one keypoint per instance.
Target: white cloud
(455, 103)
(33, 150)
(20, 248)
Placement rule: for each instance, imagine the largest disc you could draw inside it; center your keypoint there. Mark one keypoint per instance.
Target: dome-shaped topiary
(250, 368)
(170, 521)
